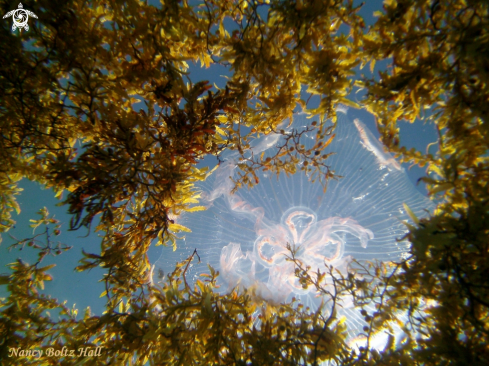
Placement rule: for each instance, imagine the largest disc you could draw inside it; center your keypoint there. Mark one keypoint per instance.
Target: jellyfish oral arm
(237, 268)
(371, 144)
(338, 224)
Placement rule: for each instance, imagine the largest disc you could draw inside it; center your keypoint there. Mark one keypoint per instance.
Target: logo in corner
(20, 17)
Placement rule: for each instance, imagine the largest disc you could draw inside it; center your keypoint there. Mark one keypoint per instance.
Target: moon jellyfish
(247, 235)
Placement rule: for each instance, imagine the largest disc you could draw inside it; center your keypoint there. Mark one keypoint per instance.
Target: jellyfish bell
(248, 235)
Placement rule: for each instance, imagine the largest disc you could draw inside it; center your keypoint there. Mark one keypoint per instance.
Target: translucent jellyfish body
(245, 235)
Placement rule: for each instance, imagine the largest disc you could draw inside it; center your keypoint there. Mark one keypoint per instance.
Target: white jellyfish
(360, 216)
